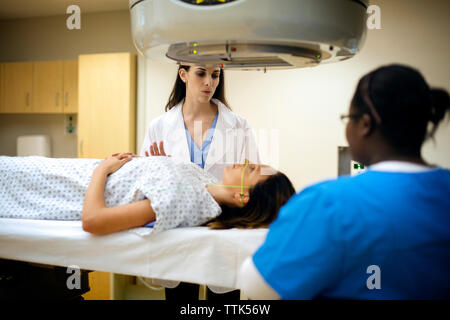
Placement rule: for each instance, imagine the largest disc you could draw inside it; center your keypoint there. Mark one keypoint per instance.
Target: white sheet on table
(197, 254)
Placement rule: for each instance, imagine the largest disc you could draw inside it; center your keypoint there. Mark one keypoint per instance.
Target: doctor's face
(201, 82)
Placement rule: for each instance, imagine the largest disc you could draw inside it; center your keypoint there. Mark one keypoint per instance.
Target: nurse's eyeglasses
(365, 85)
(346, 117)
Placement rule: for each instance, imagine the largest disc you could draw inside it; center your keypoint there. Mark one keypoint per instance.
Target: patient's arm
(99, 219)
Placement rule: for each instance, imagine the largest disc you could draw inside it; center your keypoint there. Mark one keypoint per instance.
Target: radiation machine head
(249, 34)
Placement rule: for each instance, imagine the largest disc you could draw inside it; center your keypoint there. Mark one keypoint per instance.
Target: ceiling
(15, 9)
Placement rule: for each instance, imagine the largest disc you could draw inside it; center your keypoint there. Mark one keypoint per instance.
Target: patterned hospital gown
(53, 188)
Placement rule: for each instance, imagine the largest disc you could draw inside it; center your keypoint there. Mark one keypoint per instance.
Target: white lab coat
(233, 140)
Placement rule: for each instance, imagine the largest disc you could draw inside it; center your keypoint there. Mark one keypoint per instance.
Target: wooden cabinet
(40, 87)
(18, 87)
(107, 104)
(106, 121)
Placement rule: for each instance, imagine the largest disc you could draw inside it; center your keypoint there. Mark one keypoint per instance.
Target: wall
(302, 106)
(47, 38)
(64, 145)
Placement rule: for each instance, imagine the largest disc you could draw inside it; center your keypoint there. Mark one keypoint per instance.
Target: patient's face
(250, 174)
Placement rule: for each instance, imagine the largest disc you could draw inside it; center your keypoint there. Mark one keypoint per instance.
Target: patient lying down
(125, 191)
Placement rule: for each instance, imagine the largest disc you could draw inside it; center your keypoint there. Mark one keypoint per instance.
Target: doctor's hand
(154, 151)
(115, 162)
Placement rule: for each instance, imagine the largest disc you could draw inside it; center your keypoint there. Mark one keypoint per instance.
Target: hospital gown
(53, 188)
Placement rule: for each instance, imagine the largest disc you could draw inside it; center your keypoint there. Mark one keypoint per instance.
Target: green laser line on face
(241, 186)
(242, 182)
(229, 186)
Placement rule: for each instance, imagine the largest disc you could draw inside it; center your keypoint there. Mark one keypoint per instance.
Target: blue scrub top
(198, 156)
(327, 240)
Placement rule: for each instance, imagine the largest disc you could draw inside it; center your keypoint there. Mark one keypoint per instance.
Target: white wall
(63, 144)
(47, 38)
(303, 105)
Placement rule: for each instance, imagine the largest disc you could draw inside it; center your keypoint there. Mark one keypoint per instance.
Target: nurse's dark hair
(405, 105)
(179, 90)
(265, 200)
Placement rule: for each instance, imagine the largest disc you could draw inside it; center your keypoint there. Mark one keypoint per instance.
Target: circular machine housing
(249, 34)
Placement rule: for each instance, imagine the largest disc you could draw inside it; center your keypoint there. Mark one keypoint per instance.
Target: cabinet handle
(27, 99)
(81, 147)
(66, 99)
(57, 98)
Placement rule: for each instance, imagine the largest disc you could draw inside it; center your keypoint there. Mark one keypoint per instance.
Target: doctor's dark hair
(179, 90)
(401, 105)
(265, 200)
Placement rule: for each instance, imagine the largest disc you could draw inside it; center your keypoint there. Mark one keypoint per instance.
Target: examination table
(195, 255)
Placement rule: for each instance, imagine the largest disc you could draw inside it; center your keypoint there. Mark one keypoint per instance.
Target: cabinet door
(106, 108)
(106, 120)
(48, 87)
(70, 99)
(18, 87)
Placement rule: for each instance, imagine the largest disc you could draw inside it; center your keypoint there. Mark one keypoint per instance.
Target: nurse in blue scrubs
(382, 234)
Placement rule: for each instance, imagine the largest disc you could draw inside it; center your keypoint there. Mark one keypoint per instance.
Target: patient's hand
(115, 162)
(130, 153)
(154, 151)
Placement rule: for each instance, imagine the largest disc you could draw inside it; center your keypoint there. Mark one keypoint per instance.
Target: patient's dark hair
(405, 103)
(265, 200)
(179, 90)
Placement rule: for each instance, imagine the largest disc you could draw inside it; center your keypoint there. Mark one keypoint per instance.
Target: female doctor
(199, 126)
